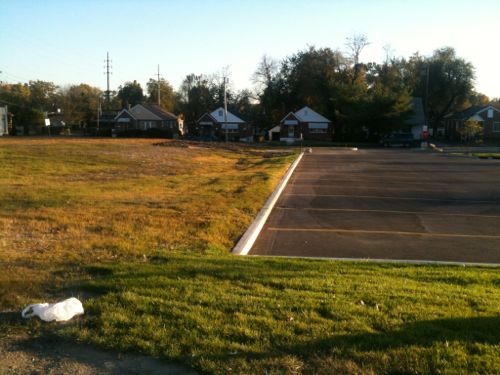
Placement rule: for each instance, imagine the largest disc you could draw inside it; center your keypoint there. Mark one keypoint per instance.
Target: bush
(471, 132)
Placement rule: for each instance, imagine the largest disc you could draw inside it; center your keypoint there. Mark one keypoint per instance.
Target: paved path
(387, 204)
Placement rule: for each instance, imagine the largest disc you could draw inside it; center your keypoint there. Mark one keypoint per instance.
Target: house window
(496, 127)
(318, 127)
(317, 131)
(490, 113)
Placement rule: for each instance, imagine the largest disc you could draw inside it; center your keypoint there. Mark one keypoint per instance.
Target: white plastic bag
(60, 312)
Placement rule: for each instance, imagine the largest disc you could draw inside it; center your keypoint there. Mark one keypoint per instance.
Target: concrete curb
(248, 239)
(394, 261)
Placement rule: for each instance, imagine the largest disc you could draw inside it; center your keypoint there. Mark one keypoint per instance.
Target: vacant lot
(77, 201)
(141, 234)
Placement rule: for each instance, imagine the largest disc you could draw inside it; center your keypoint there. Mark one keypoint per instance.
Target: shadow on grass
(479, 330)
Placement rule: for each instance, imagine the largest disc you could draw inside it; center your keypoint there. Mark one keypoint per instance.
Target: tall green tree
(195, 97)
(444, 81)
(28, 102)
(167, 95)
(388, 102)
(130, 94)
(80, 104)
(43, 95)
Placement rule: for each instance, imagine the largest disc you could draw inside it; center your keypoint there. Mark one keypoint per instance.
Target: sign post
(47, 124)
(425, 137)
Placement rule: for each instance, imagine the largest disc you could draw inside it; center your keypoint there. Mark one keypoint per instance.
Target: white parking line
(387, 212)
(385, 232)
(394, 198)
(373, 188)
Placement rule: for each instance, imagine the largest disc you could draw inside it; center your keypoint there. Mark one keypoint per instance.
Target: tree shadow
(478, 330)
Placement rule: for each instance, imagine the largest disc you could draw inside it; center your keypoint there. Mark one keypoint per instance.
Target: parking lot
(387, 204)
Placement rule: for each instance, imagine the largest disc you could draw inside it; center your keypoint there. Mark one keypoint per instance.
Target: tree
(130, 94)
(43, 95)
(80, 103)
(388, 102)
(476, 98)
(355, 45)
(28, 102)
(444, 81)
(167, 95)
(266, 71)
(195, 96)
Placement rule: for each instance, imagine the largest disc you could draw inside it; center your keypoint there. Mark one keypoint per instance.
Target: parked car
(398, 140)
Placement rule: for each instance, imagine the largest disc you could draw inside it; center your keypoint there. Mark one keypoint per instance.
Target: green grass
(487, 155)
(141, 233)
(222, 314)
(477, 155)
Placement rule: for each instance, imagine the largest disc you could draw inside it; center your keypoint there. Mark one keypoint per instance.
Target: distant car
(398, 140)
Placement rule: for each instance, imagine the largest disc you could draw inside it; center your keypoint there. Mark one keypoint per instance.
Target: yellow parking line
(386, 232)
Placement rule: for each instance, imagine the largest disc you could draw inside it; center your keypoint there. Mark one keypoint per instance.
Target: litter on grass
(60, 311)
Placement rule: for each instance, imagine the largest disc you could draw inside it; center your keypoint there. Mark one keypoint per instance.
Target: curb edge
(244, 245)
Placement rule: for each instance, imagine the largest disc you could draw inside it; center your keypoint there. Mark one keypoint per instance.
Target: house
(306, 124)
(143, 117)
(416, 121)
(4, 121)
(488, 117)
(216, 125)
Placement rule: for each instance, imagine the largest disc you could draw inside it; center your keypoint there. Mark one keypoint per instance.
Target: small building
(274, 133)
(143, 117)
(305, 124)
(215, 125)
(416, 121)
(487, 116)
(56, 119)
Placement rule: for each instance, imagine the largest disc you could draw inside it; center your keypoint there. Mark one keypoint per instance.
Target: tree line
(364, 100)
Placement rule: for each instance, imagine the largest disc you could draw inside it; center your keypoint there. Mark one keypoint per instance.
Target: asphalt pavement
(387, 204)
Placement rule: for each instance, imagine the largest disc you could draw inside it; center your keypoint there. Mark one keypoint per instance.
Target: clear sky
(66, 41)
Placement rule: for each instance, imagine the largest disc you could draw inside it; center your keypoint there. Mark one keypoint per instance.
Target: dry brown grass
(64, 202)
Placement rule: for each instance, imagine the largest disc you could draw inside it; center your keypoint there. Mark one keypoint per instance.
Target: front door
(291, 132)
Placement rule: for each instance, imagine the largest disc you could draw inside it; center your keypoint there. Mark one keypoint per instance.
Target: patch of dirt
(230, 146)
(22, 354)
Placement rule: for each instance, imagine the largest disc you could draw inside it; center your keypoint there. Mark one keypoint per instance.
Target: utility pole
(98, 110)
(159, 85)
(108, 72)
(225, 108)
(427, 96)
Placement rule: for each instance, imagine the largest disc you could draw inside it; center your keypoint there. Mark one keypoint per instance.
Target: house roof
(418, 116)
(306, 114)
(159, 111)
(218, 115)
(148, 112)
(470, 112)
(288, 114)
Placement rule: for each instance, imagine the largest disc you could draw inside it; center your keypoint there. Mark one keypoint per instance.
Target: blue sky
(66, 41)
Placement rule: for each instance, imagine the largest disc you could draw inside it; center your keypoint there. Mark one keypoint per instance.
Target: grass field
(142, 234)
